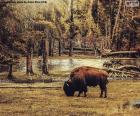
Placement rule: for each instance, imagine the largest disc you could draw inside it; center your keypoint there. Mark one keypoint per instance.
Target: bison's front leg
(79, 93)
(101, 95)
(82, 92)
(85, 94)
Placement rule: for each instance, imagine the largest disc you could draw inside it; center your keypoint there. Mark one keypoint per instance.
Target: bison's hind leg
(103, 89)
(105, 92)
(101, 94)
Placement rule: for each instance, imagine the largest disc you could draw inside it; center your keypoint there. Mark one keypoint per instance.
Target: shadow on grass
(15, 80)
(27, 79)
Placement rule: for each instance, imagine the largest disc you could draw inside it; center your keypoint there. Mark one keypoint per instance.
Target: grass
(53, 102)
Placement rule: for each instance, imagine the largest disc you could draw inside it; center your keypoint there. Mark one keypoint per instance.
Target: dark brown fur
(82, 77)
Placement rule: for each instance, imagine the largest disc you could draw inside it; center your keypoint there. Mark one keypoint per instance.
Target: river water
(66, 65)
(63, 65)
(59, 65)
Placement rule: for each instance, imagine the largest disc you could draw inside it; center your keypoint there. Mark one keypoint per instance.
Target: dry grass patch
(36, 101)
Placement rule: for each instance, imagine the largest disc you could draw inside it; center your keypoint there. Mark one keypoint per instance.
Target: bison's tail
(103, 81)
(107, 81)
(106, 77)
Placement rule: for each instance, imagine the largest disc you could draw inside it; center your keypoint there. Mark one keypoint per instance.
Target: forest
(42, 42)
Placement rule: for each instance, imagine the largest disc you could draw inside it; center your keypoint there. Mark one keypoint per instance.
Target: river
(66, 65)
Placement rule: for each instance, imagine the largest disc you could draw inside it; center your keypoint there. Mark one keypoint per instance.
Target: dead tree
(51, 42)
(60, 37)
(71, 30)
(60, 47)
(117, 18)
(10, 72)
(110, 19)
(44, 56)
(50, 47)
(30, 47)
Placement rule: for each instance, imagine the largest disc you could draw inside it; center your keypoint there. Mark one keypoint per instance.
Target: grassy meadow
(32, 100)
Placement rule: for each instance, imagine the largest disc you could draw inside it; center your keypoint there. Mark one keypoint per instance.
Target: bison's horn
(67, 84)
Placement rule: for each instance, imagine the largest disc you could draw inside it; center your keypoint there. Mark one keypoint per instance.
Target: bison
(84, 76)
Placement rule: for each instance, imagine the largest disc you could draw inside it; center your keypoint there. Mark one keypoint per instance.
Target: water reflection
(61, 64)
(66, 65)
(69, 64)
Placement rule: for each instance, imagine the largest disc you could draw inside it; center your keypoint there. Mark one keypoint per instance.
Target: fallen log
(129, 67)
(123, 74)
(131, 54)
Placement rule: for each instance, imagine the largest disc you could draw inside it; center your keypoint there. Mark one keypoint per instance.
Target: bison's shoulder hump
(86, 70)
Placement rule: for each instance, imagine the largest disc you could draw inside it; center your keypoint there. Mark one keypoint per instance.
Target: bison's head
(68, 88)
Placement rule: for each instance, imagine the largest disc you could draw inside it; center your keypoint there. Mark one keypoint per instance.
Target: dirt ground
(34, 100)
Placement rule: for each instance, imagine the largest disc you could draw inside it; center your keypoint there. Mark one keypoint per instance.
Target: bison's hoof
(101, 96)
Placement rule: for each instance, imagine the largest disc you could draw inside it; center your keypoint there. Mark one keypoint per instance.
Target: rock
(132, 104)
(136, 104)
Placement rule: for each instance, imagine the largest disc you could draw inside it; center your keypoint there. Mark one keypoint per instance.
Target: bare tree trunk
(58, 25)
(60, 38)
(44, 57)
(53, 46)
(30, 46)
(10, 73)
(71, 48)
(110, 19)
(117, 18)
(50, 47)
(84, 44)
(71, 30)
(118, 43)
(44, 66)
(29, 64)
(60, 47)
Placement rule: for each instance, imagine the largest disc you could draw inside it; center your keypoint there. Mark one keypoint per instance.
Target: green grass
(53, 102)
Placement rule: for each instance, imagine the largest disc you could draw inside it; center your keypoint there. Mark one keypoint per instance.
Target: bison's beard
(68, 89)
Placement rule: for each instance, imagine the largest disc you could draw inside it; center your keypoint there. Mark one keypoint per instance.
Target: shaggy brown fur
(82, 77)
